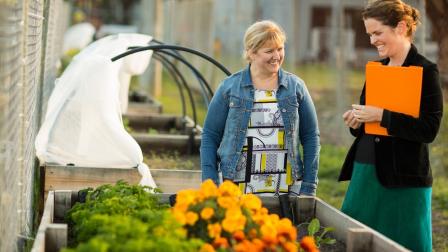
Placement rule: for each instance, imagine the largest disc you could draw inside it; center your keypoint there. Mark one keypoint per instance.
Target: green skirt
(402, 214)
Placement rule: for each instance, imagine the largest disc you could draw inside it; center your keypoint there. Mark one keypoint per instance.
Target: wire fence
(29, 49)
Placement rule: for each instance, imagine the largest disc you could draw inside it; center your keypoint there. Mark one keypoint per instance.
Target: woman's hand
(366, 113)
(350, 120)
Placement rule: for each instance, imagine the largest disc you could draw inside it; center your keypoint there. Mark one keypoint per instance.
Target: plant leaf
(313, 227)
(328, 241)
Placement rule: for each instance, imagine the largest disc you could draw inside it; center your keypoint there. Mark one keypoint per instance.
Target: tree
(437, 12)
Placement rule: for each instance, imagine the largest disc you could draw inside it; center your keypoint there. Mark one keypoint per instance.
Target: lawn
(320, 81)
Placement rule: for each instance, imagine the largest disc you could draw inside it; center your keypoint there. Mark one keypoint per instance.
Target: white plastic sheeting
(83, 124)
(78, 36)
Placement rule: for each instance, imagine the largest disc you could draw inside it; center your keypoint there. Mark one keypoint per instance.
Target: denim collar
(246, 80)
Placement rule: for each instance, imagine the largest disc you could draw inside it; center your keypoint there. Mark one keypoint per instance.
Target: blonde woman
(259, 120)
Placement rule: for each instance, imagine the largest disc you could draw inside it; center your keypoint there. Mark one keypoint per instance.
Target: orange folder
(397, 89)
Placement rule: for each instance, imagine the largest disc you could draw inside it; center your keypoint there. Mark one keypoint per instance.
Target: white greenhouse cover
(83, 123)
(78, 36)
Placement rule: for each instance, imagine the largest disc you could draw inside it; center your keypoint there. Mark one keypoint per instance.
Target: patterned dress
(263, 167)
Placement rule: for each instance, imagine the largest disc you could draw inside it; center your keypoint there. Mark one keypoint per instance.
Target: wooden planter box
(187, 139)
(150, 106)
(59, 177)
(52, 235)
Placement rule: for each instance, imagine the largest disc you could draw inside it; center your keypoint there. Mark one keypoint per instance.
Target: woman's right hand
(350, 120)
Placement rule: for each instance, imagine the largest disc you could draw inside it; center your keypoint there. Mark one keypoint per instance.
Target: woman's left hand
(367, 113)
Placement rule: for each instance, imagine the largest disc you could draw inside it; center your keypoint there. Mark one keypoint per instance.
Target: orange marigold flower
(207, 248)
(228, 188)
(220, 242)
(214, 230)
(234, 220)
(308, 244)
(290, 246)
(207, 213)
(191, 218)
(269, 233)
(253, 233)
(186, 197)
(239, 235)
(232, 224)
(208, 189)
(250, 201)
(258, 244)
(244, 246)
(227, 202)
(285, 228)
(179, 216)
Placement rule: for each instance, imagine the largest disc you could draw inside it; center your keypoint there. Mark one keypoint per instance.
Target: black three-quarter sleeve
(424, 128)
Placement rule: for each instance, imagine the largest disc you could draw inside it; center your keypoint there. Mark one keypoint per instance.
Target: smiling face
(386, 39)
(268, 58)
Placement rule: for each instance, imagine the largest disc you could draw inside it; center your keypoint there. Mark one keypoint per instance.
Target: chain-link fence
(29, 49)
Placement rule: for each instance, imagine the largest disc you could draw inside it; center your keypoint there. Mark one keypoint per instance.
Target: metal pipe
(180, 48)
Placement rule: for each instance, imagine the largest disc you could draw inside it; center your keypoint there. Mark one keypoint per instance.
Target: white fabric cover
(83, 124)
(78, 36)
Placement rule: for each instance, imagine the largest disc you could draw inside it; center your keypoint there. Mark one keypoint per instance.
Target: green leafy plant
(125, 217)
(315, 230)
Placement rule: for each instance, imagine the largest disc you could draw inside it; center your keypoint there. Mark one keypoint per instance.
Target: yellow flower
(185, 198)
(179, 216)
(285, 228)
(191, 218)
(234, 220)
(214, 230)
(269, 233)
(227, 202)
(208, 189)
(207, 248)
(207, 213)
(250, 201)
(228, 188)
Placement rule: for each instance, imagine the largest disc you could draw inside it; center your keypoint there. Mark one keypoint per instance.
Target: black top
(402, 159)
(365, 153)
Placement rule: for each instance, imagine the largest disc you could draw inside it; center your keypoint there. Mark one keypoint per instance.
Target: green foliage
(330, 163)
(126, 125)
(318, 232)
(67, 58)
(126, 217)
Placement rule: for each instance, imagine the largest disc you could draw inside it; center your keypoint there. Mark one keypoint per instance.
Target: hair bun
(415, 14)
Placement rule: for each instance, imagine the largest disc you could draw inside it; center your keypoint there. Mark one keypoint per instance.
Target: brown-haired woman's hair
(391, 12)
(260, 33)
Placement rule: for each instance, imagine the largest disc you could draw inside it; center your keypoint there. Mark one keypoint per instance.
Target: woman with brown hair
(390, 188)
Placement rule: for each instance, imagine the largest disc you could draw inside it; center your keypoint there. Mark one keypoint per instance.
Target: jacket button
(377, 139)
(231, 104)
(283, 110)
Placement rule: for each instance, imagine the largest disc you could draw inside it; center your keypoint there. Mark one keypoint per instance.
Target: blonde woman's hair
(391, 12)
(259, 34)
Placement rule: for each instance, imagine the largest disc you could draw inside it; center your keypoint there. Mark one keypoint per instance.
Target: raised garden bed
(58, 177)
(171, 133)
(140, 103)
(52, 235)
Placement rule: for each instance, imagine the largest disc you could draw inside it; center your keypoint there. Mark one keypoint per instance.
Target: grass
(171, 102)
(330, 162)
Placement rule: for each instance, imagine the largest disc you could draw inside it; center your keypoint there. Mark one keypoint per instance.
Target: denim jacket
(227, 121)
